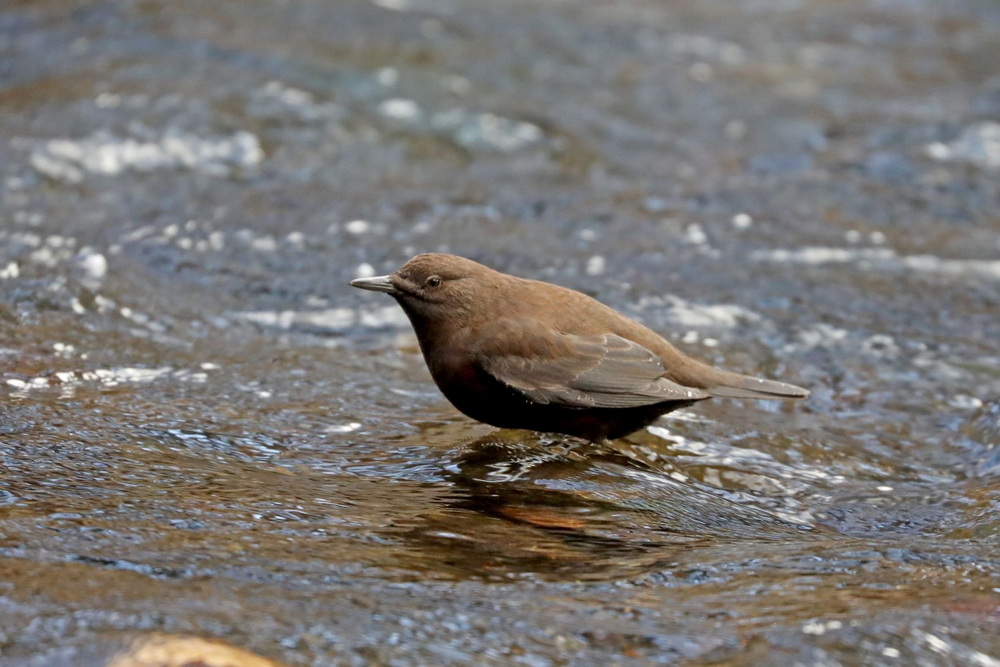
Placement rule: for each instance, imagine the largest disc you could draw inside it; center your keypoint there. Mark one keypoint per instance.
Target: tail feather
(732, 385)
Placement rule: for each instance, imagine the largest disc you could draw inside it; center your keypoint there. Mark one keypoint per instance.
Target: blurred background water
(205, 431)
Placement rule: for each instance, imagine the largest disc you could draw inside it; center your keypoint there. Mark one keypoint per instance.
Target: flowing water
(206, 432)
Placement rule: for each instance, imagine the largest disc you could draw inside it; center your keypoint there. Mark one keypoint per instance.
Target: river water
(206, 432)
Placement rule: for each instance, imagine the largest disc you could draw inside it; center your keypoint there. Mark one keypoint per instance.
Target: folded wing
(602, 371)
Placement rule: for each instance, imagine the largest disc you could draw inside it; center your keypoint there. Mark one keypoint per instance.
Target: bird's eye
(433, 281)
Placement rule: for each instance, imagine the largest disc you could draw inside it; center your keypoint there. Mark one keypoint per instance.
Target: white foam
(91, 267)
(959, 653)
(343, 428)
(395, 5)
(750, 461)
(977, 144)
(821, 335)
(139, 318)
(264, 244)
(330, 319)
(103, 153)
(965, 402)
(107, 377)
(953, 267)
(357, 226)
(292, 97)
(823, 255)
(742, 221)
(115, 376)
(595, 265)
(694, 316)
(821, 627)
(695, 235)
(487, 130)
(882, 258)
(880, 345)
(12, 270)
(399, 109)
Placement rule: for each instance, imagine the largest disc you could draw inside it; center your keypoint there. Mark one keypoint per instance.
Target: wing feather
(601, 371)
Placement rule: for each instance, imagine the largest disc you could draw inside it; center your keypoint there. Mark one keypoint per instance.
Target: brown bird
(518, 353)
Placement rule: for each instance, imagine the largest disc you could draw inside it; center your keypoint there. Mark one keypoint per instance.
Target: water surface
(206, 432)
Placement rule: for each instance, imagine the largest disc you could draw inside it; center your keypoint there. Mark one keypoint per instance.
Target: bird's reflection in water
(554, 506)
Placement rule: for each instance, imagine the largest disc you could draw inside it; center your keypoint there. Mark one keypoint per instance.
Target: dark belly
(485, 399)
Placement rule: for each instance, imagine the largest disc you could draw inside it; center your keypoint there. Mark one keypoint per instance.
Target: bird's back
(571, 312)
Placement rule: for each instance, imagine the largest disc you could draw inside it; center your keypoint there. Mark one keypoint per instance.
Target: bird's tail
(734, 385)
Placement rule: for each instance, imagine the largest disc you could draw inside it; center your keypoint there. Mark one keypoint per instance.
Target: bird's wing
(599, 371)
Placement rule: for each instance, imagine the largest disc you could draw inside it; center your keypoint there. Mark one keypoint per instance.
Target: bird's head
(433, 287)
